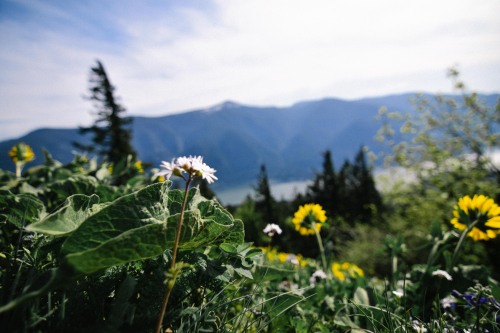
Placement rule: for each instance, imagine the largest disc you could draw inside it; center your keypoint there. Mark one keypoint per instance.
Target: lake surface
(286, 190)
(384, 180)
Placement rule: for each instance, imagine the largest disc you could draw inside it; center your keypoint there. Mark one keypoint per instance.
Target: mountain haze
(236, 139)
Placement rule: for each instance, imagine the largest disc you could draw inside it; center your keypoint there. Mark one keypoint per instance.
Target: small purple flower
(473, 300)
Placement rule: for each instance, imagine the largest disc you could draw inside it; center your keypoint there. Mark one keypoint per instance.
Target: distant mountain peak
(226, 105)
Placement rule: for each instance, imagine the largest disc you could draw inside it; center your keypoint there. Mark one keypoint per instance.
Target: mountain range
(236, 139)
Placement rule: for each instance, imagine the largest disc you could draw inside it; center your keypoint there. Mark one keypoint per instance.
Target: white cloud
(178, 57)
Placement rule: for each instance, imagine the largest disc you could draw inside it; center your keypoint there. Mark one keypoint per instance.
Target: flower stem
(19, 168)
(170, 284)
(460, 241)
(321, 248)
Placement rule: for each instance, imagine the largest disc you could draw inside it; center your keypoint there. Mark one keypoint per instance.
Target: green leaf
(136, 244)
(142, 225)
(270, 273)
(243, 272)
(208, 223)
(78, 184)
(65, 220)
(244, 246)
(253, 253)
(229, 248)
(20, 209)
(361, 297)
(280, 304)
(135, 210)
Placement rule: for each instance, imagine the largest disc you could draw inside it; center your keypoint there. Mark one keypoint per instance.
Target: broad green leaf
(135, 210)
(142, 225)
(74, 184)
(229, 248)
(208, 223)
(136, 244)
(65, 220)
(243, 272)
(20, 209)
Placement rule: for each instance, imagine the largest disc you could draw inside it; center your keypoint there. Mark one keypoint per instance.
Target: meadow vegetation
(98, 245)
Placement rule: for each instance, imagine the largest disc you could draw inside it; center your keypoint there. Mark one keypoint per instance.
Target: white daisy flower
(319, 274)
(419, 327)
(185, 163)
(192, 165)
(207, 173)
(443, 274)
(168, 169)
(272, 229)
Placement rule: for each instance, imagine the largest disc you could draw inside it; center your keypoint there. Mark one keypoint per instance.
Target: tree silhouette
(324, 190)
(349, 193)
(265, 203)
(112, 134)
(360, 199)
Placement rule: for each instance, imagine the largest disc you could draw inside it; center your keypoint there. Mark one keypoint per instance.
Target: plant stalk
(170, 284)
(460, 241)
(321, 248)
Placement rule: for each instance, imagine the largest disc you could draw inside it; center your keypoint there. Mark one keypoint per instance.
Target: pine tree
(265, 203)
(112, 134)
(359, 197)
(324, 190)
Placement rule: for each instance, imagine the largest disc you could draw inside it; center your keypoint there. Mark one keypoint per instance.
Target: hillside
(236, 139)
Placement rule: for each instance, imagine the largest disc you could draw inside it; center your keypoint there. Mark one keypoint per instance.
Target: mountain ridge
(236, 139)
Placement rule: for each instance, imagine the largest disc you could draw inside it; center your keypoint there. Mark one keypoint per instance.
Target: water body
(279, 191)
(384, 180)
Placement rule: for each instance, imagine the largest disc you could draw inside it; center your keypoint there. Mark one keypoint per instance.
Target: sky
(171, 56)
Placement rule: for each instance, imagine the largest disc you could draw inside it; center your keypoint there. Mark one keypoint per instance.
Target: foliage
(102, 251)
(446, 134)
(90, 246)
(445, 147)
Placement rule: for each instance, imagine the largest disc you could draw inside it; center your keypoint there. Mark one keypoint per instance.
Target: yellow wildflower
(272, 254)
(481, 210)
(308, 219)
(343, 271)
(21, 153)
(139, 167)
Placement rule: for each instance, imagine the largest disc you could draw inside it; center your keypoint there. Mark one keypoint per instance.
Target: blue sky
(170, 56)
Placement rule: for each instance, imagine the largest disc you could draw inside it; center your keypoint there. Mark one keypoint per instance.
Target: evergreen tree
(324, 190)
(369, 199)
(252, 221)
(360, 199)
(112, 134)
(265, 202)
(349, 194)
